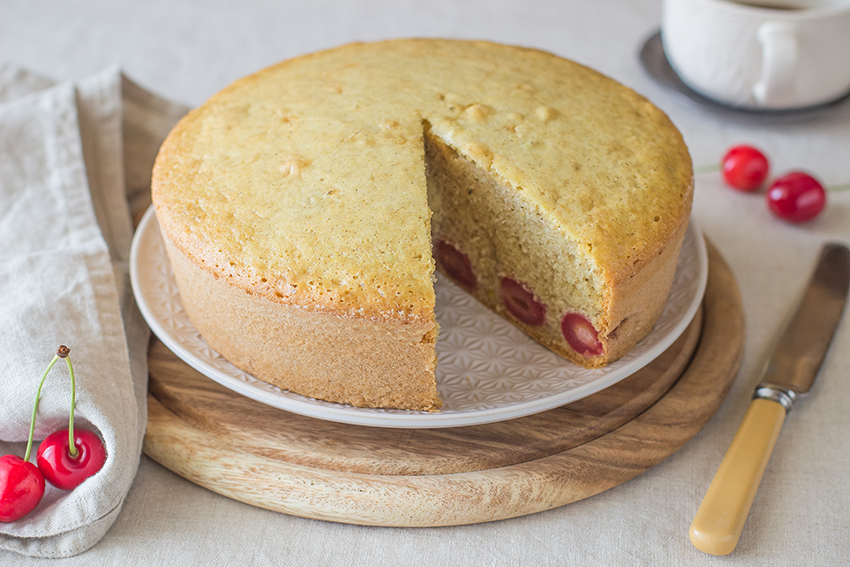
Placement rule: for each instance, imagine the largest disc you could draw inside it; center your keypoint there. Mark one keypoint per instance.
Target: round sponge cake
(303, 208)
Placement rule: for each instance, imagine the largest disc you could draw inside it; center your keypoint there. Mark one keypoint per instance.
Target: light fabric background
(188, 50)
(60, 287)
(64, 275)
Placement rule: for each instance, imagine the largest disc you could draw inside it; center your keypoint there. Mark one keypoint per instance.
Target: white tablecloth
(188, 50)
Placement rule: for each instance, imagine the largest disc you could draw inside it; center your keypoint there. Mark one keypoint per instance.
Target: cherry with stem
(21, 482)
(795, 197)
(67, 457)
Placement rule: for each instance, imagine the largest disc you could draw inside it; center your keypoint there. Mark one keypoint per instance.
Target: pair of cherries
(65, 459)
(795, 197)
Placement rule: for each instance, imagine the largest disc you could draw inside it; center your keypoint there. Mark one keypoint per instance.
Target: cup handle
(778, 42)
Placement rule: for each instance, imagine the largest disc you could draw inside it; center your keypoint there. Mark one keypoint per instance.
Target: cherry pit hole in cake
(456, 264)
(521, 302)
(581, 335)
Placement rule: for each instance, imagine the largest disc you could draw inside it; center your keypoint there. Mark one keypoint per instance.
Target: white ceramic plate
(488, 370)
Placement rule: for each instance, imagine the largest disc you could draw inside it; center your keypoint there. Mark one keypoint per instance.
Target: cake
(303, 208)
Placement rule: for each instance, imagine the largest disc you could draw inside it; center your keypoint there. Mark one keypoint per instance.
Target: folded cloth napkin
(75, 162)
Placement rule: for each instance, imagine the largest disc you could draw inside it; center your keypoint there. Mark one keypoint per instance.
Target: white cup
(760, 54)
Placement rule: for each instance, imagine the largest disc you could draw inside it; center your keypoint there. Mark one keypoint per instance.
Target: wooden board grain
(414, 477)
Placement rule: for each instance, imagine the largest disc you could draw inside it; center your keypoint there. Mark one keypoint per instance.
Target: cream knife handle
(721, 516)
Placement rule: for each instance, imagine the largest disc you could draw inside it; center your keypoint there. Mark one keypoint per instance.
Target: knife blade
(789, 372)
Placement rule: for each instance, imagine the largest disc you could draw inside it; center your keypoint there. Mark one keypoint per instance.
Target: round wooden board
(416, 477)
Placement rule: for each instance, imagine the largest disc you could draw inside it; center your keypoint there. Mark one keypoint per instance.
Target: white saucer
(488, 371)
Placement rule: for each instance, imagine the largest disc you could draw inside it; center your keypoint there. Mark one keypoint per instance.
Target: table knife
(789, 372)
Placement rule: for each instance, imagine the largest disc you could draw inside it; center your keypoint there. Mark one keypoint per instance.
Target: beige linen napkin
(75, 166)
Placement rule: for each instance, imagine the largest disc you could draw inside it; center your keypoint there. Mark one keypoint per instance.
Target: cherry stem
(61, 352)
(35, 407)
(706, 168)
(72, 448)
(716, 167)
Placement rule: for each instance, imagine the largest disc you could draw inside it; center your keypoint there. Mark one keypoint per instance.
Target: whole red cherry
(796, 197)
(64, 470)
(745, 168)
(21, 488)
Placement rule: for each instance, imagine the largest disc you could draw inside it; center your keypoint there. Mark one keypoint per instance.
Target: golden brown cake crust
(303, 185)
(281, 345)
